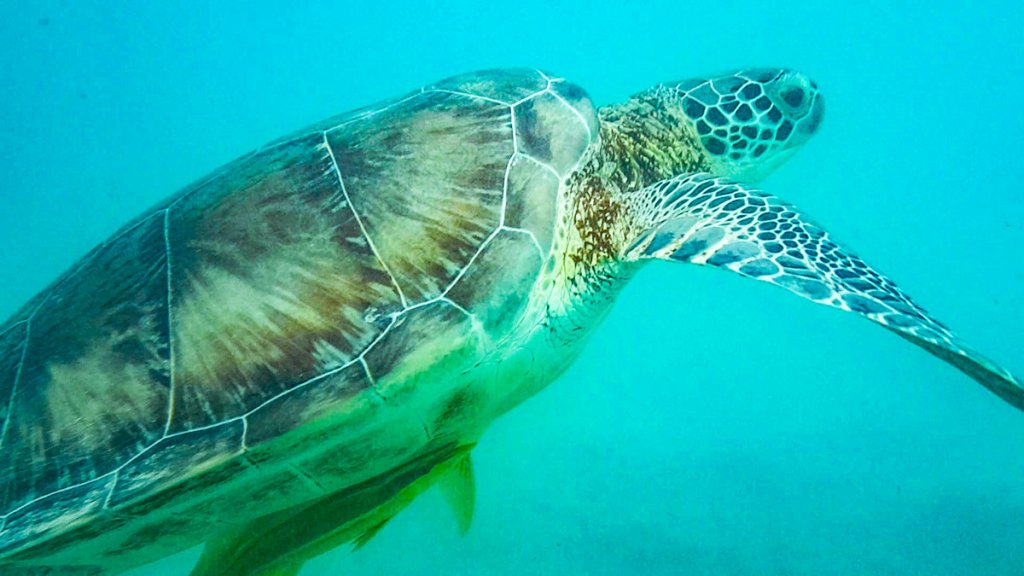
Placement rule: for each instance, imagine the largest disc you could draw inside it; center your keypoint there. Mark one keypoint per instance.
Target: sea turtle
(280, 356)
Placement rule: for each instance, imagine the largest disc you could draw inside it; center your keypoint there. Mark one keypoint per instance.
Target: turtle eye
(793, 94)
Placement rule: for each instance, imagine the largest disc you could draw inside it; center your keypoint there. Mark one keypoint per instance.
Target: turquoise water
(713, 425)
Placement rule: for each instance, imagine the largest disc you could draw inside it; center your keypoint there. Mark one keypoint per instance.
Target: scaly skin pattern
(640, 142)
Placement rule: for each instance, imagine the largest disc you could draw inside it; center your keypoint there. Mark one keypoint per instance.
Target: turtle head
(749, 121)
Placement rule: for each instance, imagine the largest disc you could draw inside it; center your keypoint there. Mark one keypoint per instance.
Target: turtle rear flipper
(701, 219)
(280, 543)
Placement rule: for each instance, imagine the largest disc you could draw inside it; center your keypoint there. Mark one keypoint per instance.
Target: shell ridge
(172, 388)
(579, 115)
(17, 379)
(504, 195)
(113, 488)
(371, 113)
(466, 94)
(473, 318)
(48, 294)
(318, 377)
(532, 236)
(245, 432)
(366, 369)
(359, 221)
(12, 326)
(68, 488)
(542, 164)
(508, 166)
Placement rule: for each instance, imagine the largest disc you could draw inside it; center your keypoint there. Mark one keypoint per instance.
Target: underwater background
(713, 425)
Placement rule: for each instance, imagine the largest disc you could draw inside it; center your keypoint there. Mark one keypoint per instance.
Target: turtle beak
(810, 125)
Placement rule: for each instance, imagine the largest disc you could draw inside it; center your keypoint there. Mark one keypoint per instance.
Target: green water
(713, 425)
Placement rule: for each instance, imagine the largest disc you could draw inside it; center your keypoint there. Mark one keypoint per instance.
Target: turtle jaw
(752, 171)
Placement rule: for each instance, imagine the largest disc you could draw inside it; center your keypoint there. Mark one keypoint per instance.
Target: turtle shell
(288, 282)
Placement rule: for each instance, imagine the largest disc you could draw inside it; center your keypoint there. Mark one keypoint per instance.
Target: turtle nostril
(794, 96)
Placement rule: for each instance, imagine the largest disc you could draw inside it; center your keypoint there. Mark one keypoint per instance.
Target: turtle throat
(641, 141)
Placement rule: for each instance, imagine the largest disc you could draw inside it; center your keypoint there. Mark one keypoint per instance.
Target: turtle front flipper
(702, 219)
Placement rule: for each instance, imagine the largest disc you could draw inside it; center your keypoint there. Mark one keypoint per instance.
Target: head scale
(749, 121)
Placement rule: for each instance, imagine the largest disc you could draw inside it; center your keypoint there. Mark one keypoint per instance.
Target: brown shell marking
(273, 283)
(424, 230)
(273, 292)
(92, 386)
